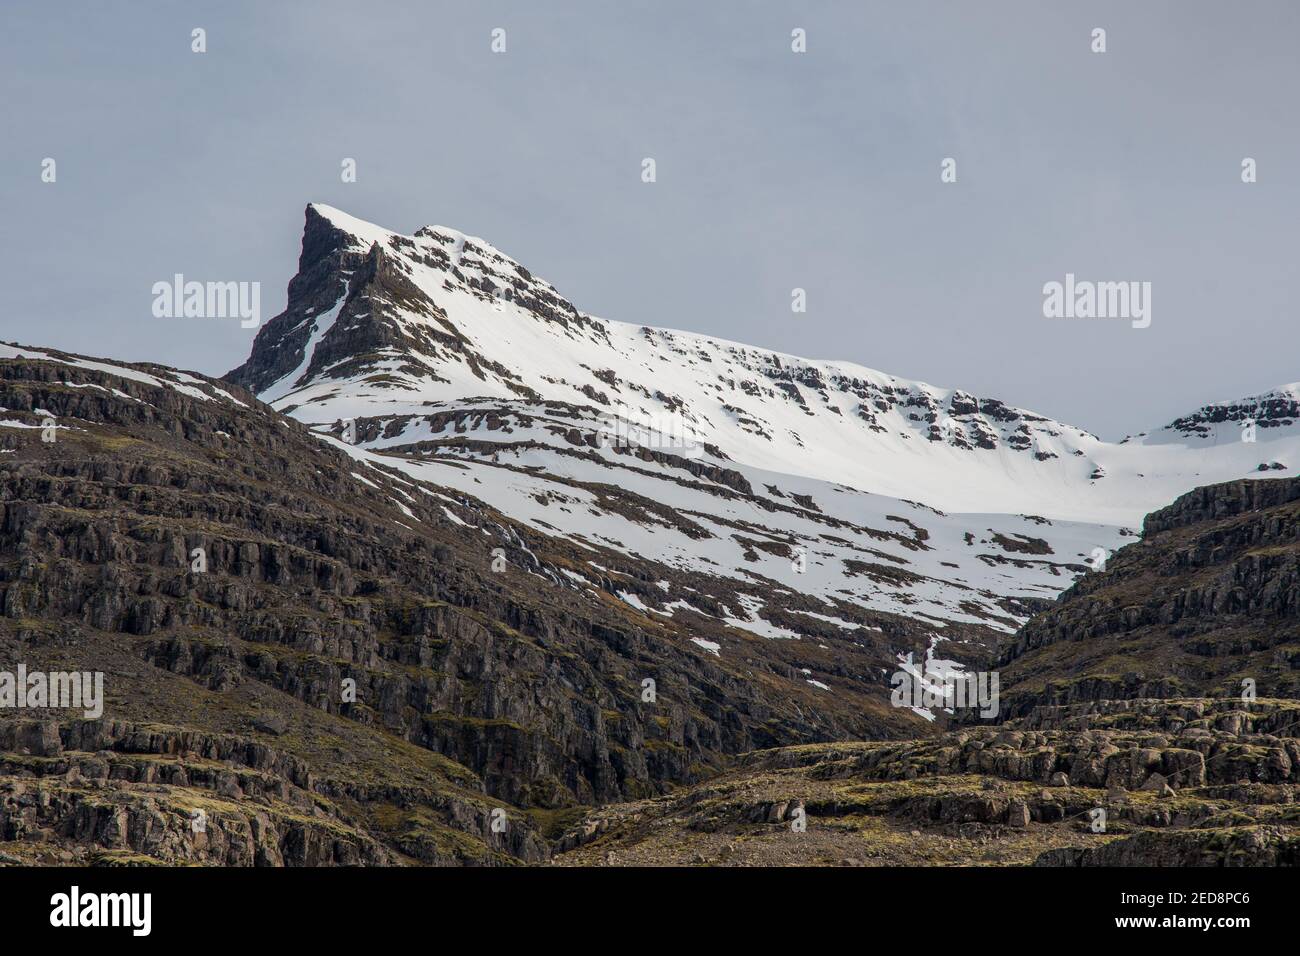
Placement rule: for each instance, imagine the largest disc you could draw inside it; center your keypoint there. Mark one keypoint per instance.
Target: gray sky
(775, 170)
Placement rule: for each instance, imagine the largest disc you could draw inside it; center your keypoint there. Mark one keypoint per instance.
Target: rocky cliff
(1209, 598)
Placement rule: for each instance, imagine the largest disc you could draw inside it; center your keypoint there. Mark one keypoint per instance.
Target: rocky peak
(361, 307)
(1272, 413)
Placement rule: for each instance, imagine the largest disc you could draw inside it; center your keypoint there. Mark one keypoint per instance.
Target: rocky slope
(482, 692)
(1125, 705)
(1116, 783)
(480, 683)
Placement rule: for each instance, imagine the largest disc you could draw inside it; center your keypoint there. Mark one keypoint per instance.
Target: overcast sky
(775, 170)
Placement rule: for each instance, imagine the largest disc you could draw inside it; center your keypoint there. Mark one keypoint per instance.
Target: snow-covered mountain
(782, 495)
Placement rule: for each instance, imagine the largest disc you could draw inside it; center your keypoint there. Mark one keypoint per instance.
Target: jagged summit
(368, 233)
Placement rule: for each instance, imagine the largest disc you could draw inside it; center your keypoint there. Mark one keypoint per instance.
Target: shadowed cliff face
(342, 677)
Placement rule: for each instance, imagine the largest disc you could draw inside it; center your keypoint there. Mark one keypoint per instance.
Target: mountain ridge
(458, 323)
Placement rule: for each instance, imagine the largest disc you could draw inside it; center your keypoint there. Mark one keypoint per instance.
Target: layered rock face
(1189, 782)
(1207, 604)
(343, 678)
(340, 663)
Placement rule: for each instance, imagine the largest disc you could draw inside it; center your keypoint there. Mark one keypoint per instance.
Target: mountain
(703, 478)
(481, 693)
(387, 327)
